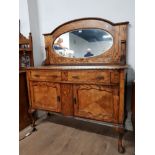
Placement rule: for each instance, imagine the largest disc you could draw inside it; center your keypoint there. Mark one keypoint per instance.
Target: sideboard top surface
(52, 67)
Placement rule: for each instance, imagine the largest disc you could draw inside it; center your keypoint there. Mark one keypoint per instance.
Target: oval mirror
(83, 43)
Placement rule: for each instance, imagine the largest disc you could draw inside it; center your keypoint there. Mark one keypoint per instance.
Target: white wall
(51, 13)
(79, 50)
(24, 17)
(35, 23)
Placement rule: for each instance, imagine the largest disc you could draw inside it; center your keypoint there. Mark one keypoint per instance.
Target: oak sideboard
(84, 73)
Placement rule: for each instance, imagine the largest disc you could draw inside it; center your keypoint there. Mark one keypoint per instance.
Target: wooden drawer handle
(58, 98)
(52, 76)
(37, 75)
(100, 77)
(74, 100)
(75, 77)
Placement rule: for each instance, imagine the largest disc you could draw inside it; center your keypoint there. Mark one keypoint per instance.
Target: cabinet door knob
(100, 77)
(37, 75)
(74, 100)
(75, 77)
(58, 98)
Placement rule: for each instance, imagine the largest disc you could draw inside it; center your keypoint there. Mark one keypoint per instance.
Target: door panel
(67, 108)
(46, 95)
(96, 102)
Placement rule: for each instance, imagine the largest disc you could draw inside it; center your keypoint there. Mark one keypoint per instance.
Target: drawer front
(115, 77)
(46, 75)
(89, 76)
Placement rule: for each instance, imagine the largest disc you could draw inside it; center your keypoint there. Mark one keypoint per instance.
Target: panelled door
(45, 95)
(96, 102)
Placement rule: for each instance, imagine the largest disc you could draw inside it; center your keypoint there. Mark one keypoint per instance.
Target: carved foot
(48, 114)
(33, 119)
(34, 129)
(121, 149)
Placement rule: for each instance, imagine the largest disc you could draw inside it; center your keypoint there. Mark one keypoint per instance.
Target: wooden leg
(133, 121)
(33, 119)
(121, 148)
(133, 106)
(48, 114)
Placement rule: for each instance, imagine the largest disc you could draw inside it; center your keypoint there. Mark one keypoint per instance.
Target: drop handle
(75, 77)
(100, 77)
(58, 98)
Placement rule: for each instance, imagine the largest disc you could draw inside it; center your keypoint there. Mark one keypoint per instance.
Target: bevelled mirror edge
(83, 43)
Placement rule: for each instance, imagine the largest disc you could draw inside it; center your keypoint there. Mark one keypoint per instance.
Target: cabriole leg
(121, 148)
(48, 114)
(33, 119)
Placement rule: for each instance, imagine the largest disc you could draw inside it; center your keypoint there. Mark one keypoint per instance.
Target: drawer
(46, 75)
(89, 76)
(115, 77)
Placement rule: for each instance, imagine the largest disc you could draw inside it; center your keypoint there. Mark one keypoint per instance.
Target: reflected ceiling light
(106, 36)
(80, 31)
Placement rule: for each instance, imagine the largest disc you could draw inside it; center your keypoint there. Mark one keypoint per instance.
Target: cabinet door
(96, 102)
(45, 95)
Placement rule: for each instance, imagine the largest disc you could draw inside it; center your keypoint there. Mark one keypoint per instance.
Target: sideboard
(90, 87)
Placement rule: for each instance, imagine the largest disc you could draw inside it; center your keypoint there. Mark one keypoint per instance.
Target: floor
(58, 135)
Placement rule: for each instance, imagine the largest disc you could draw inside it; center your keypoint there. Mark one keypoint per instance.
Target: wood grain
(121, 105)
(116, 54)
(94, 76)
(91, 88)
(67, 100)
(24, 118)
(46, 95)
(96, 102)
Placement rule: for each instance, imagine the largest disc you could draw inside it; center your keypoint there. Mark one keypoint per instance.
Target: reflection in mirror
(83, 43)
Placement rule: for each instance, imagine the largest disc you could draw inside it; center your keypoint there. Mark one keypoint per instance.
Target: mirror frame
(115, 55)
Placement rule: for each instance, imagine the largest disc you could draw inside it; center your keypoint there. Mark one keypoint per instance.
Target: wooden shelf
(25, 59)
(25, 49)
(22, 71)
(23, 42)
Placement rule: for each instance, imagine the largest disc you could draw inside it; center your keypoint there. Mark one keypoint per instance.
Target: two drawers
(76, 76)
